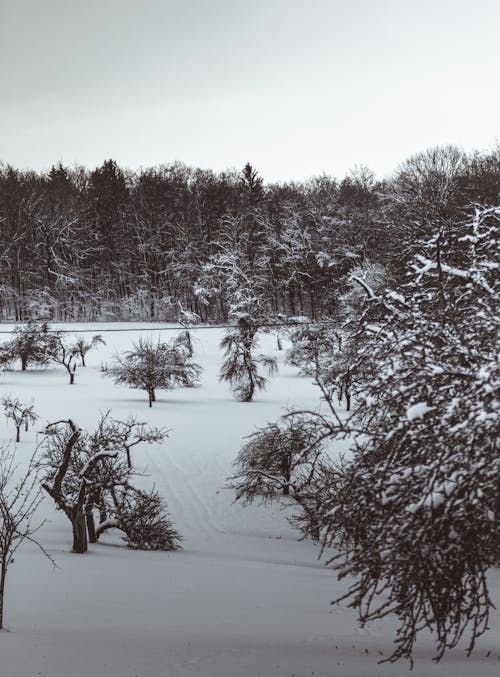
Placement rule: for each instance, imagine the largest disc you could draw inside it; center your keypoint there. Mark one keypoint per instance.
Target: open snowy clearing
(244, 598)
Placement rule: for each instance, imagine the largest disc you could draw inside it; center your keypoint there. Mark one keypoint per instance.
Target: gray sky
(296, 87)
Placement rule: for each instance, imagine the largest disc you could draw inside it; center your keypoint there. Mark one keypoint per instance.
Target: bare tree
(82, 347)
(92, 473)
(65, 354)
(150, 366)
(20, 496)
(71, 499)
(125, 435)
(22, 414)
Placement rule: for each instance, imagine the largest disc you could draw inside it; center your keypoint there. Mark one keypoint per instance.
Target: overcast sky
(296, 87)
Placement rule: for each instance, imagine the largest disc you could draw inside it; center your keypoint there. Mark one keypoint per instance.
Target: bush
(143, 517)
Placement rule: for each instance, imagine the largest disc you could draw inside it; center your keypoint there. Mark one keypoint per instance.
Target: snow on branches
(90, 475)
(416, 515)
(284, 459)
(242, 367)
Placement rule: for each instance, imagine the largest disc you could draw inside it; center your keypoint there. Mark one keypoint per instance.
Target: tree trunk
(291, 301)
(251, 391)
(103, 513)
(83, 359)
(79, 530)
(3, 573)
(18, 433)
(286, 463)
(71, 377)
(248, 364)
(89, 518)
(24, 363)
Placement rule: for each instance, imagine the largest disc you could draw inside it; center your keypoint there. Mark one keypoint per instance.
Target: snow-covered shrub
(184, 342)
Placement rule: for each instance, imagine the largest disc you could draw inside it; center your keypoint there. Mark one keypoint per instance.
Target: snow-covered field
(244, 598)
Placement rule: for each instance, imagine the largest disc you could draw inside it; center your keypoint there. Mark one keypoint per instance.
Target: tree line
(114, 244)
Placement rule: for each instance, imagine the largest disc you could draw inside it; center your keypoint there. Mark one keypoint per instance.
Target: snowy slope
(244, 598)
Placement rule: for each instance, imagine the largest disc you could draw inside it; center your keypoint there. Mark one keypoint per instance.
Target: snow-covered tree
(282, 459)
(187, 319)
(242, 367)
(89, 475)
(68, 475)
(31, 344)
(235, 276)
(371, 274)
(416, 512)
(312, 344)
(151, 366)
(125, 435)
(140, 514)
(20, 413)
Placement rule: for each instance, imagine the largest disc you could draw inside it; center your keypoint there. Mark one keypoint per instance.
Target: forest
(112, 244)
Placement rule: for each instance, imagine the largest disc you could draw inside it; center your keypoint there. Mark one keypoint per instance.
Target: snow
(417, 410)
(95, 459)
(243, 598)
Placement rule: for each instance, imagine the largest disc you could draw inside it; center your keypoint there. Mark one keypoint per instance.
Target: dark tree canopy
(109, 243)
